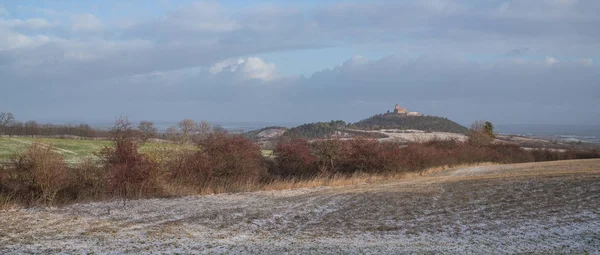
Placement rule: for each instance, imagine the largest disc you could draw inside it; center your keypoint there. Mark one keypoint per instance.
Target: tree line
(9, 126)
(186, 131)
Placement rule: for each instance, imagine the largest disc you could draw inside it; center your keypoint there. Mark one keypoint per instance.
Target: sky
(506, 61)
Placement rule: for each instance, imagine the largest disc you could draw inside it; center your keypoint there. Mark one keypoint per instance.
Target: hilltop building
(399, 110)
(402, 111)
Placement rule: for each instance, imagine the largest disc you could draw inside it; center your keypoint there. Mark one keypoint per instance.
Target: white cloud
(551, 60)
(13, 40)
(34, 23)
(231, 64)
(251, 68)
(37, 23)
(256, 68)
(85, 22)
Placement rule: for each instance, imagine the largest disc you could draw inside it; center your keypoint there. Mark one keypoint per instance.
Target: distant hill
(395, 121)
(316, 130)
(334, 128)
(265, 133)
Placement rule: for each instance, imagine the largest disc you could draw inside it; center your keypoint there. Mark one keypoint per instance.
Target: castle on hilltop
(402, 111)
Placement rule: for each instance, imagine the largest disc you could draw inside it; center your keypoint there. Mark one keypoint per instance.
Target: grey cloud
(204, 33)
(509, 91)
(57, 67)
(517, 52)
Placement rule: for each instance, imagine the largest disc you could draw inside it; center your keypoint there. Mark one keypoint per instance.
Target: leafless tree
(173, 133)
(123, 130)
(147, 130)
(219, 130)
(32, 128)
(188, 128)
(6, 119)
(479, 133)
(204, 129)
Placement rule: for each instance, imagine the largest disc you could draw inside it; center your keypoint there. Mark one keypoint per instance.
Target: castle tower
(399, 110)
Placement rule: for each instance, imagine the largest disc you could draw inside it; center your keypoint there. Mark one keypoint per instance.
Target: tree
(204, 128)
(128, 171)
(147, 130)
(488, 128)
(6, 119)
(32, 128)
(173, 133)
(481, 133)
(219, 130)
(188, 127)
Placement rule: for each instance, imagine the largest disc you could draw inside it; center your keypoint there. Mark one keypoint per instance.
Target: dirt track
(540, 207)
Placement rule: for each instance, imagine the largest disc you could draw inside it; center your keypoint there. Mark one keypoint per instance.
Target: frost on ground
(525, 208)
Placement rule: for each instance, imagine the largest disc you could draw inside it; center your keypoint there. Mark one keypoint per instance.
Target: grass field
(532, 208)
(77, 150)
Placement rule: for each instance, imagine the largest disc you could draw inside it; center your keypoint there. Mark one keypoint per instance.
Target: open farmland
(550, 207)
(73, 150)
(76, 150)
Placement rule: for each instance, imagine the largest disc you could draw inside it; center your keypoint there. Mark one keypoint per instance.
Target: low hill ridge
(395, 121)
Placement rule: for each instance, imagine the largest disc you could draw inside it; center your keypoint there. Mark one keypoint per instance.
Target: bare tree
(188, 128)
(173, 133)
(204, 129)
(147, 130)
(123, 130)
(480, 133)
(32, 128)
(219, 130)
(6, 119)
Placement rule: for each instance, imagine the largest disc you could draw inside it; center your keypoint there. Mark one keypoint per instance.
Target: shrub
(87, 180)
(362, 156)
(330, 155)
(38, 174)
(226, 158)
(294, 158)
(128, 172)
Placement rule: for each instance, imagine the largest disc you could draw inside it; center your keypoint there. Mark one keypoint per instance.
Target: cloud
(231, 64)
(256, 68)
(196, 57)
(517, 52)
(204, 33)
(586, 61)
(14, 41)
(86, 22)
(3, 11)
(503, 91)
(32, 24)
(250, 68)
(551, 60)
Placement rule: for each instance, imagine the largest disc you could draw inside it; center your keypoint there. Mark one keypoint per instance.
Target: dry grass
(357, 178)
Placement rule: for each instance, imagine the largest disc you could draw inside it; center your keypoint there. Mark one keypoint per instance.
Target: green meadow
(77, 150)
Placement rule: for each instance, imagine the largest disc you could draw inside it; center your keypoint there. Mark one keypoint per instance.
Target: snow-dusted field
(537, 208)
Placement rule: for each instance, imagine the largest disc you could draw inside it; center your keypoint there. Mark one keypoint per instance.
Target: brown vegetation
(231, 163)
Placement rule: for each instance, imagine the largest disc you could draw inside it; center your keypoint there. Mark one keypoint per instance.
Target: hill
(265, 133)
(316, 130)
(395, 121)
(334, 128)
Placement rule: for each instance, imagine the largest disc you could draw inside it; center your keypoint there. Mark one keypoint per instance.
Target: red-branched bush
(129, 172)
(294, 158)
(224, 158)
(331, 156)
(362, 156)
